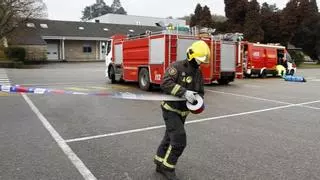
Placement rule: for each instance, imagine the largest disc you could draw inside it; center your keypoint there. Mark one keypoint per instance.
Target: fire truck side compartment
(228, 54)
(118, 58)
(157, 59)
(228, 61)
(135, 56)
(183, 45)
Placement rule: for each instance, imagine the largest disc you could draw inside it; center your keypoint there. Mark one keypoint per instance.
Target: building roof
(39, 29)
(24, 36)
(137, 20)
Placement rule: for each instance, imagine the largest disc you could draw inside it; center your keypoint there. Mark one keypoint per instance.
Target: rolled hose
(197, 107)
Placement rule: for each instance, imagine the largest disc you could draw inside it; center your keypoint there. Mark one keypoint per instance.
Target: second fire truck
(262, 59)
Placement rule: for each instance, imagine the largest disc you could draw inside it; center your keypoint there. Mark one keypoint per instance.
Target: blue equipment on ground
(294, 78)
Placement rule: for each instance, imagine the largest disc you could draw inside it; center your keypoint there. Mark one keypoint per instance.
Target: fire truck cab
(262, 59)
(144, 58)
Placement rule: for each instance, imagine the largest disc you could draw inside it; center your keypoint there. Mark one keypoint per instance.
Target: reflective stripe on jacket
(169, 108)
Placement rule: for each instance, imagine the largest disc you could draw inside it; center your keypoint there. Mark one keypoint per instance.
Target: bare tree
(15, 12)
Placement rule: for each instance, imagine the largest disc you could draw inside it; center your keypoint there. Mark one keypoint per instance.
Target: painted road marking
(4, 80)
(81, 167)
(120, 87)
(262, 99)
(249, 97)
(252, 86)
(100, 88)
(4, 94)
(311, 107)
(189, 122)
(76, 89)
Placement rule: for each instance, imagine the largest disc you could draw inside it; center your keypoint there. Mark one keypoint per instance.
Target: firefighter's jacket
(179, 77)
(281, 70)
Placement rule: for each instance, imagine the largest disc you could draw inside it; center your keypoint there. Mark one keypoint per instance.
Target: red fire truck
(144, 58)
(262, 59)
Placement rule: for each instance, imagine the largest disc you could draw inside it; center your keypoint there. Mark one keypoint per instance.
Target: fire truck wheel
(112, 75)
(223, 81)
(144, 81)
(247, 75)
(263, 74)
(291, 72)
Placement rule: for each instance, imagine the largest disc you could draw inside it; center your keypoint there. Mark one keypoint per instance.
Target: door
(52, 52)
(257, 57)
(271, 58)
(108, 54)
(245, 57)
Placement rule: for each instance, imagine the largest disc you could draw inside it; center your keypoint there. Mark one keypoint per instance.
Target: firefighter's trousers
(174, 140)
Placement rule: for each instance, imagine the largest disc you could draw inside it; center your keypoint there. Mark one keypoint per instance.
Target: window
(44, 25)
(87, 49)
(30, 25)
(108, 47)
(289, 59)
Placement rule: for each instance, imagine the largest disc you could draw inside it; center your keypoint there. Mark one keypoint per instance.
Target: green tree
(317, 45)
(314, 6)
(95, 10)
(236, 13)
(294, 14)
(202, 17)
(219, 18)
(305, 36)
(16, 12)
(206, 17)
(221, 27)
(252, 27)
(117, 7)
(196, 18)
(100, 8)
(120, 11)
(270, 21)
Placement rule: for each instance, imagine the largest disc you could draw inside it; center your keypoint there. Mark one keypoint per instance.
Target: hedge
(15, 53)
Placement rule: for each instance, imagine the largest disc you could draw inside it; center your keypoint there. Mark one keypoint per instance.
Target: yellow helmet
(200, 51)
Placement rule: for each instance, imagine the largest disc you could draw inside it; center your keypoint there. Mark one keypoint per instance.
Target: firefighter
(281, 70)
(182, 79)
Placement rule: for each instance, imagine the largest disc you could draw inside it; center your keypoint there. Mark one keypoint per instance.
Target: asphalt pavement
(251, 129)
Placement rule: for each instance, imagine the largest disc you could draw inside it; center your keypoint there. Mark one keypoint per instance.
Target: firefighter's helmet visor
(201, 59)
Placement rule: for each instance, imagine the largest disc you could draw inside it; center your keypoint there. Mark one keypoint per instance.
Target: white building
(137, 20)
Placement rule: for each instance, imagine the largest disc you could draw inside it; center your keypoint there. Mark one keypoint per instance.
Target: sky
(71, 10)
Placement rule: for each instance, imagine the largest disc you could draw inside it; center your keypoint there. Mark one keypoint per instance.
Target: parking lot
(251, 129)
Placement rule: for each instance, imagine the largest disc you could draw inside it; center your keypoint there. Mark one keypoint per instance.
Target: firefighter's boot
(169, 174)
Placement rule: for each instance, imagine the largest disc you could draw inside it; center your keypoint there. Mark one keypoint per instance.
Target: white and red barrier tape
(119, 95)
(194, 108)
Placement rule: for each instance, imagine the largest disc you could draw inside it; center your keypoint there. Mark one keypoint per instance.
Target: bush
(297, 56)
(15, 53)
(2, 56)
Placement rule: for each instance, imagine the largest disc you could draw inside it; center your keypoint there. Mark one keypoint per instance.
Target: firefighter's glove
(190, 96)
